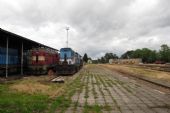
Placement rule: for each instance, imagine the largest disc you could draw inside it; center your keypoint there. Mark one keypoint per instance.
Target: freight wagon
(12, 60)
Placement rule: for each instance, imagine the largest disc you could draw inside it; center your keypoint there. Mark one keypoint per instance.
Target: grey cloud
(96, 26)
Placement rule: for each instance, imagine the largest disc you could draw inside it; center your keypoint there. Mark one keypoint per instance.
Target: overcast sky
(96, 26)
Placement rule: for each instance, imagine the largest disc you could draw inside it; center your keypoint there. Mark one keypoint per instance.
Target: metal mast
(67, 28)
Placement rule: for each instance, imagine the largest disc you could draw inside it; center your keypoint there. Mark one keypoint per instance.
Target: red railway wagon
(41, 59)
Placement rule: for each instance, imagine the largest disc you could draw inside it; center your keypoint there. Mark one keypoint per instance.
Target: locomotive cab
(69, 62)
(41, 59)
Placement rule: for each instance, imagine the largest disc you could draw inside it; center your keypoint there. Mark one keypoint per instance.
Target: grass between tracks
(137, 71)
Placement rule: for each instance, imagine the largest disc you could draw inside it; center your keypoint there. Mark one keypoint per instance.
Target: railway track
(144, 79)
(167, 86)
(165, 68)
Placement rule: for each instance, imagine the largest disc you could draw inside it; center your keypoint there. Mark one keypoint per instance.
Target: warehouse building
(12, 50)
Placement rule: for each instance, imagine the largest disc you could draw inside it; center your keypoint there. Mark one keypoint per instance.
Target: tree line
(150, 56)
(147, 55)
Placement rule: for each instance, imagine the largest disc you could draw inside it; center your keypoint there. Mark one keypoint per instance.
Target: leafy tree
(158, 56)
(99, 60)
(106, 57)
(89, 58)
(148, 55)
(165, 53)
(94, 61)
(110, 56)
(153, 56)
(103, 60)
(85, 58)
(128, 54)
(137, 53)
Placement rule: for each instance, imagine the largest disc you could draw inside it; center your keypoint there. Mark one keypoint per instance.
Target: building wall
(89, 61)
(125, 61)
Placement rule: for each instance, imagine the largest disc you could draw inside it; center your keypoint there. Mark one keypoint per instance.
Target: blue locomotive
(13, 62)
(70, 62)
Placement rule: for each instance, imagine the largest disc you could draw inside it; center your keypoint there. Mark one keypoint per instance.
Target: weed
(60, 104)
(92, 109)
(109, 84)
(107, 108)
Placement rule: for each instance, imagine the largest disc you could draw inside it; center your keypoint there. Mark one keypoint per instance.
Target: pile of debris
(58, 79)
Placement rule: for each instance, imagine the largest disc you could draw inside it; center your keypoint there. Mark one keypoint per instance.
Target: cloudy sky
(96, 26)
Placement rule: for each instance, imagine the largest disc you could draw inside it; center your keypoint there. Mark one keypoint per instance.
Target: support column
(7, 57)
(22, 58)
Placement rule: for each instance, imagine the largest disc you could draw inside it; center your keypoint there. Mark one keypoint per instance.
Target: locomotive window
(41, 58)
(72, 53)
(36, 58)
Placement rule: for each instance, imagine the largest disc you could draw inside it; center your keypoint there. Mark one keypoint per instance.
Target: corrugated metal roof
(25, 39)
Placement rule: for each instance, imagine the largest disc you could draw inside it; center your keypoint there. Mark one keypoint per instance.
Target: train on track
(39, 61)
(70, 62)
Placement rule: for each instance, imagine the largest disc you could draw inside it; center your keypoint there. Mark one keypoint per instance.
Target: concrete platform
(123, 95)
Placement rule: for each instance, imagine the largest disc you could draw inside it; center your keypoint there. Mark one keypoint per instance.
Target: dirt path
(103, 91)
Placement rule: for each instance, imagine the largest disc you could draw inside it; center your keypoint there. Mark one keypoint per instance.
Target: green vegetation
(85, 58)
(60, 104)
(106, 57)
(15, 102)
(90, 91)
(148, 55)
(92, 109)
(37, 95)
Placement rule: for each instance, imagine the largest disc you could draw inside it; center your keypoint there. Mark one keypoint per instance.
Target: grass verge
(15, 102)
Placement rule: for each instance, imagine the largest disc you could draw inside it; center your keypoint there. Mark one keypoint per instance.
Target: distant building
(89, 61)
(110, 61)
(125, 61)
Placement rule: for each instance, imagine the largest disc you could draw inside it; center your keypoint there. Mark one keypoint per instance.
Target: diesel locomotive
(70, 62)
(39, 60)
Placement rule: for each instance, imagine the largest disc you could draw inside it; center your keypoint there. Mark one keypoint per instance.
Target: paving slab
(124, 95)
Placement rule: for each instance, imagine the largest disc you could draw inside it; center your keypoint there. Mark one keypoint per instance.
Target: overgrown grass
(140, 71)
(92, 109)
(14, 102)
(37, 95)
(60, 104)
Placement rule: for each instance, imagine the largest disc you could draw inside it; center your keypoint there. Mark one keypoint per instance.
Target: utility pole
(67, 28)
